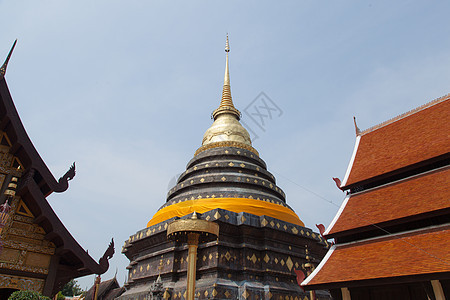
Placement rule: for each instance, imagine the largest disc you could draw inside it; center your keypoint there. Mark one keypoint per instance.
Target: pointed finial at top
(226, 80)
(357, 130)
(226, 103)
(5, 64)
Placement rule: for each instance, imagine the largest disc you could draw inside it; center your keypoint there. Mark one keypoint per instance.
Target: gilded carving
(25, 233)
(23, 268)
(9, 255)
(20, 283)
(5, 160)
(24, 250)
(24, 219)
(226, 144)
(37, 260)
(29, 247)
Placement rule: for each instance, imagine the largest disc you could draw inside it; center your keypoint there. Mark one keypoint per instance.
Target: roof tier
(230, 178)
(407, 140)
(385, 258)
(410, 199)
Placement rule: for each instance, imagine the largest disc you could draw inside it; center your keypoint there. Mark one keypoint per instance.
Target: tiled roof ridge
(406, 114)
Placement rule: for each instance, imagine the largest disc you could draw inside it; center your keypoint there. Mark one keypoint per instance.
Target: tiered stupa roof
(261, 240)
(226, 172)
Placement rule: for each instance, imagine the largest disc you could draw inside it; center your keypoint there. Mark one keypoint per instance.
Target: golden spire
(226, 80)
(226, 103)
(226, 131)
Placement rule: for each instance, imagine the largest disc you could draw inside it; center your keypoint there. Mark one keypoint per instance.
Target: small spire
(226, 80)
(357, 130)
(5, 64)
(226, 103)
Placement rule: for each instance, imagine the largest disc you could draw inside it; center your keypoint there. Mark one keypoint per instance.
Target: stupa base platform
(255, 257)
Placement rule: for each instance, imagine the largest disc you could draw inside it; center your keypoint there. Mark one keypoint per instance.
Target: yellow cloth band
(237, 205)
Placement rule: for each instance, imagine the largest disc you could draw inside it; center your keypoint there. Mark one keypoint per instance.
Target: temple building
(106, 290)
(392, 231)
(261, 241)
(37, 252)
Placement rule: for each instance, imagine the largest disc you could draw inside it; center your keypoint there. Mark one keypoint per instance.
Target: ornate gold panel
(21, 283)
(21, 226)
(25, 248)
(37, 260)
(9, 255)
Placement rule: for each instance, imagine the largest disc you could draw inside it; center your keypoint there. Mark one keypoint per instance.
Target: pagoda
(261, 241)
(37, 252)
(392, 231)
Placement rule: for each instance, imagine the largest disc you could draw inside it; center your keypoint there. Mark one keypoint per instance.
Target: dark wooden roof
(107, 290)
(403, 257)
(36, 183)
(410, 139)
(22, 147)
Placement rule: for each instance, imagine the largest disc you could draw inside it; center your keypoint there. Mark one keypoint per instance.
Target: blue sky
(126, 89)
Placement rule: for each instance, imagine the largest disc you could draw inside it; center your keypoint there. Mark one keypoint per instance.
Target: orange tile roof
(421, 252)
(408, 139)
(417, 195)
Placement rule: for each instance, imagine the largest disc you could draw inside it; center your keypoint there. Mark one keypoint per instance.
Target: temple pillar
(51, 276)
(345, 294)
(192, 231)
(192, 264)
(437, 289)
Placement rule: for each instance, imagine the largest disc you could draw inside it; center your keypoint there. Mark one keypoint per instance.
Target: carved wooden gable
(25, 248)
